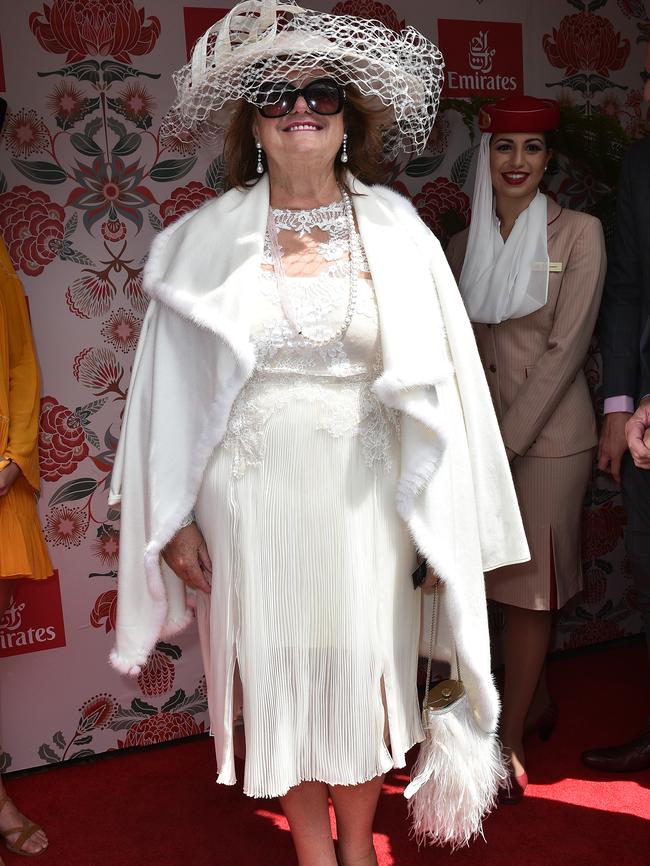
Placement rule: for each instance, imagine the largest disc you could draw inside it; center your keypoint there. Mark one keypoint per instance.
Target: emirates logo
(12, 618)
(482, 58)
(480, 54)
(13, 636)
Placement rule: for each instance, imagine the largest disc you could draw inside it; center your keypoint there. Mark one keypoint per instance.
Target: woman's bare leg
(526, 645)
(10, 817)
(307, 810)
(355, 807)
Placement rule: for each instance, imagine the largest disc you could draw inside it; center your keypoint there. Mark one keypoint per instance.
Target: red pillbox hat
(520, 114)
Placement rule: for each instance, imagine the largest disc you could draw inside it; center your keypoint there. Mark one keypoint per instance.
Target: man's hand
(637, 431)
(613, 444)
(188, 557)
(8, 477)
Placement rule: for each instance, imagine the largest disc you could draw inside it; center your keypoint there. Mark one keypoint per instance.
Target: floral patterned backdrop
(86, 181)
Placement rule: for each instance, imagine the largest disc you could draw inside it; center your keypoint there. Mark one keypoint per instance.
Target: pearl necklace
(355, 266)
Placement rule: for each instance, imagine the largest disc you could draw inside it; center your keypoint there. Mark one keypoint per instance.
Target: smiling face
(301, 135)
(517, 163)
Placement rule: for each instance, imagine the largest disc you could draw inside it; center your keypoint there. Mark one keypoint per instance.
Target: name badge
(553, 267)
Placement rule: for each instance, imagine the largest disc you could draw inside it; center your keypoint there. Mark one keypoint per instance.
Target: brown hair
(364, 125)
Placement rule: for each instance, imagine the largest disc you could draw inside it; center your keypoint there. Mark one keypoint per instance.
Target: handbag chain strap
(433, 637)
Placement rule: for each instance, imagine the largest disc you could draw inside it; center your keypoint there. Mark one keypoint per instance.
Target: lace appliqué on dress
(334, 379)
(348, 408)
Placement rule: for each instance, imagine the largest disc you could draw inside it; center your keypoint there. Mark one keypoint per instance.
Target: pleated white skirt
(312, 601)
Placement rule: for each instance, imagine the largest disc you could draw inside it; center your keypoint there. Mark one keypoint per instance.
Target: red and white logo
(34, 618)
(482, 58)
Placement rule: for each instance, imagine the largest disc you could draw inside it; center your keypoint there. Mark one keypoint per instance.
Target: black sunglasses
(323, 96)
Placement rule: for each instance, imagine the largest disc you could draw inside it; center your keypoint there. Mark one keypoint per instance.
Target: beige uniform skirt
(551, 491)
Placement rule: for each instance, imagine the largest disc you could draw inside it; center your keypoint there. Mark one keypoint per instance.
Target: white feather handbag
(459, 770)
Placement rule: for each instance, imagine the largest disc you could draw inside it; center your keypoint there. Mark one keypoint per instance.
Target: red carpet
(161, 808)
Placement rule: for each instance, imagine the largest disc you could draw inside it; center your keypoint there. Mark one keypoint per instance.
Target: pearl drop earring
(344, 152)
(260, 167)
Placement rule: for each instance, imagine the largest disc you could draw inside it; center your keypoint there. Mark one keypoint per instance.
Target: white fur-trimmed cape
(195, 354)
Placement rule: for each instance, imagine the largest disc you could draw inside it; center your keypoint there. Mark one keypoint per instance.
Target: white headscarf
(503, 280)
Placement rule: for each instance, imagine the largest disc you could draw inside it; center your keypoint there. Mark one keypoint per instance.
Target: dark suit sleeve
(644, 390)
(620, 313)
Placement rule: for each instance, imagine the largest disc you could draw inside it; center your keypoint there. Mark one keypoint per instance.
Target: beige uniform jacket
(534, 364)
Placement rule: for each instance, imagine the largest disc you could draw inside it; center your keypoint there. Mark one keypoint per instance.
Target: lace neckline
(304, 221)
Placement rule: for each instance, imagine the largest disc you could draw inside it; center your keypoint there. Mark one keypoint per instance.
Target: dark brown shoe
(629, 758)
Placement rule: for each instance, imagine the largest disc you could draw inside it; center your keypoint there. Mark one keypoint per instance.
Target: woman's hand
(188, 557)
(8, 477)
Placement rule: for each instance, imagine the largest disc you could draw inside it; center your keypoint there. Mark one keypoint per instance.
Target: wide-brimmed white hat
(263, 40)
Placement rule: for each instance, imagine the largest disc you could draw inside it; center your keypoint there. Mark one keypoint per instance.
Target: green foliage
(597, 140)
(468, 109)
(40, 172)
(461, 166)
(596, 143)
(215, 176)
(79, 488)
(424, 165)
(171, 169)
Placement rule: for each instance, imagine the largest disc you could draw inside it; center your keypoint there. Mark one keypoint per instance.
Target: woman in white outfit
(295, 387)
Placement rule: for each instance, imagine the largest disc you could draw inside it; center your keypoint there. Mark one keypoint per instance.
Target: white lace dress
(311, 563)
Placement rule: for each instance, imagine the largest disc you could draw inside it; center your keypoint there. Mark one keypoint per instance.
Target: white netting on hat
(263, 41)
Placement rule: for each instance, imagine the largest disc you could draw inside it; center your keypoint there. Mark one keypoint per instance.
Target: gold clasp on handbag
(444, 694)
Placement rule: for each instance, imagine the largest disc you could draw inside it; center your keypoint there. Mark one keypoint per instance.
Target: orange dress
(22, 547)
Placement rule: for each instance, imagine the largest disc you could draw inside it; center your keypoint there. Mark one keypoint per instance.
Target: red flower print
(184, 199)
(602, 529)
(107, 544)
(588, 43)
(632, 598)
(108, 190)
(32, 227)
(61, 442)
(176, 138)
(83, 28)
(581, 189)
(97, 712)
(91, 295)
(632, 8)
(104, 611)
(66, 527)
(444, 207)
(370, 9)
(610, 104)
(160, 728)
(66, 101)
(99, 370)
(439, 135)
(157, 676)
(134, 292)
(113, 230)
(595, 585)
(596, 631)
(136, 102)
(25, 133)
(122, 330)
